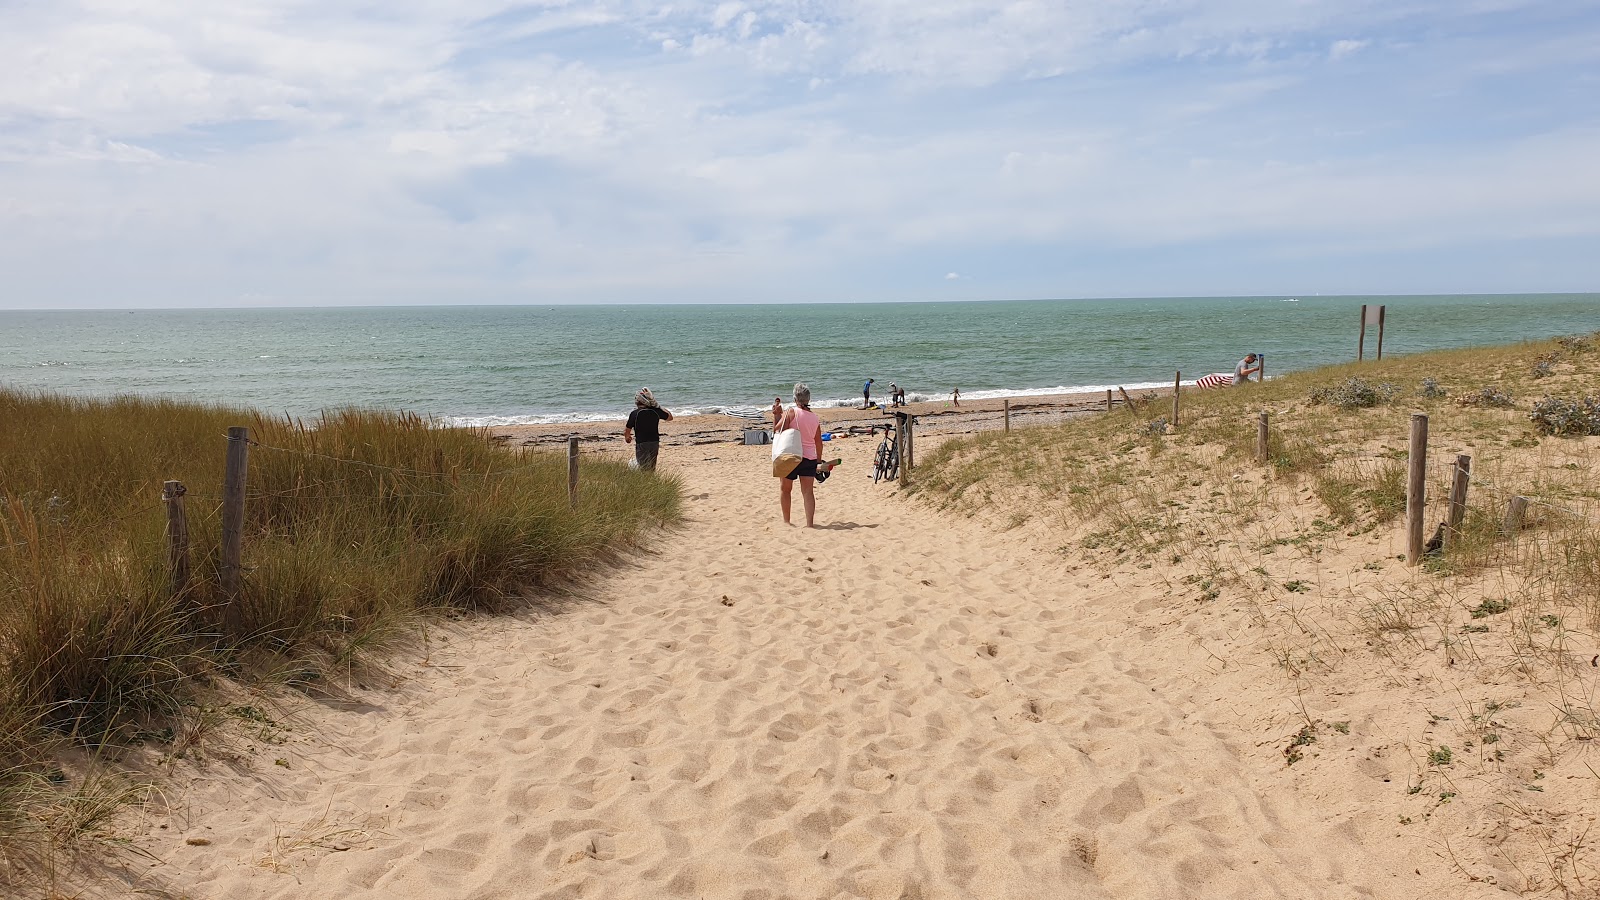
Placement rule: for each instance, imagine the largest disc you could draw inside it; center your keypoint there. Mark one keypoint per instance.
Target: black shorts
(806, 469)
(645, 454)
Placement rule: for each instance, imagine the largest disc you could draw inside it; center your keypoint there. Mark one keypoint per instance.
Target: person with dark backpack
(643, 429)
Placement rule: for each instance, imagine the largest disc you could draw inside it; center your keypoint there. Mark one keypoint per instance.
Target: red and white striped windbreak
(1216, 379)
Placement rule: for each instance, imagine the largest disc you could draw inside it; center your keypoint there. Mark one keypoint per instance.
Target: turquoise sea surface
(526, 364)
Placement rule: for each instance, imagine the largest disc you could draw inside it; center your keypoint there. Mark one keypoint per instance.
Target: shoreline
(933, 417)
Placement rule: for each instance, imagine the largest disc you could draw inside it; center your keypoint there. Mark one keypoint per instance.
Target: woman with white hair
(801, 418)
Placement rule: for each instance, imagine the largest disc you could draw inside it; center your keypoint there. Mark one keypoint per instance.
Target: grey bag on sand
(757, 436)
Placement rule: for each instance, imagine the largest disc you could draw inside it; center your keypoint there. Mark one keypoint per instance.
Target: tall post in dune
(1262, 453)
(1177, 387)
(177, 536)
(1361, 340)
(1108, 399)
(911, 442)
(1261, 369)
(902, 439)
(1381, 311)
(1461, 475)
(233, 483)
(1515, 510)
(572, 471)
(1416, 477)
(1005, 408)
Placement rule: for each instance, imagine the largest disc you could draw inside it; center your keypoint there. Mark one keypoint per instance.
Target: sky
(168, 153)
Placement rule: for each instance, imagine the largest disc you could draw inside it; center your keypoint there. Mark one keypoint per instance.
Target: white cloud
(486, 149)
(952, 276)
(1342, 48)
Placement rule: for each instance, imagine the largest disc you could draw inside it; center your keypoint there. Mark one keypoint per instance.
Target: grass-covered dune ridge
(354, 524)
(1456, 702)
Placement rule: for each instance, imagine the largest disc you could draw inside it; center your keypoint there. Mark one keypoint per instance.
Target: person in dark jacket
(643, 430)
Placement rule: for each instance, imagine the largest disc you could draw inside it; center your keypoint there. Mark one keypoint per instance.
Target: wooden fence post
(177, 536)
(1515, 511)
(911, 443)
(1361, 341)
(1126, 400)
(1416, 487)
(1458, 499)
(1108, 399)
(1006, 407)
(1262, 454)
(233, 482)
(572, 471)
(1177, 387)
(902, 439)
(1261, 369)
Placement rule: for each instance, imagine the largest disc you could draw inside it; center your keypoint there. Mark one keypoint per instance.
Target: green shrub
(1559, 415)
(1354, 393)
(1488, 397)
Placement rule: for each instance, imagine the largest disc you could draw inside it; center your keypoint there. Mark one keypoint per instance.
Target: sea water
(538, 364)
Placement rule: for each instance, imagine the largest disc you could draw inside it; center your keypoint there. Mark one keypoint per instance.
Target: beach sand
(898, 704)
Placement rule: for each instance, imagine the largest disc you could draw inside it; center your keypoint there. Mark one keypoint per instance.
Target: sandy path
(895, 706)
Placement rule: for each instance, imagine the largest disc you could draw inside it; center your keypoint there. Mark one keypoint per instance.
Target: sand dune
(896, 705)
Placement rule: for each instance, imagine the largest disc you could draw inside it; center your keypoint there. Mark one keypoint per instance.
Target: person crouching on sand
(645, 423)
(801, 417)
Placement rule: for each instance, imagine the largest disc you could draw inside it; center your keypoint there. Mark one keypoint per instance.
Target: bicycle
(886, 462)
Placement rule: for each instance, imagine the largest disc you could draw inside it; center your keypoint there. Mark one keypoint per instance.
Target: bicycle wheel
(880, 462)
(892, 471)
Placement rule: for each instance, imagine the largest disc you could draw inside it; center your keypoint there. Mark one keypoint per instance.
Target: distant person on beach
(1246, 367)
(777, 409)
(644, 423)
(802, 418)
(866, 395)
(897, 395)
(956, 397)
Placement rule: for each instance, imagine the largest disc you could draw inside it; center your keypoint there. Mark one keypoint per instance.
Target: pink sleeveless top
(808, 423)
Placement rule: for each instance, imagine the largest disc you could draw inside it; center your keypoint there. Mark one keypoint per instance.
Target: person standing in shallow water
(643, 429)
(802, 418)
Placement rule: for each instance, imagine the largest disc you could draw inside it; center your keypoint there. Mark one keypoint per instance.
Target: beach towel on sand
(1215, 379)
(786, 450)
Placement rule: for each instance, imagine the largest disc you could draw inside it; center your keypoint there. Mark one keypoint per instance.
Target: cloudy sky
(313, 152)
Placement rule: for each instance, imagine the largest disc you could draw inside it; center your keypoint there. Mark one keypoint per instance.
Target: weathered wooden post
(1108, 399)
(1515, 511)
(1416, 487)
(1126, 400)
(1006, 408)
(911, 443)
(1461, 474)
(1262, 454)
(1261, 368)
(233, 482)
(1177, 387)
(177, 536)
(572, 471)
(902, 440)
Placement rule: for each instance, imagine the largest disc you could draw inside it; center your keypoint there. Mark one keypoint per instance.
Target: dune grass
(1340, 432)
(356, 523)
(1294, 563)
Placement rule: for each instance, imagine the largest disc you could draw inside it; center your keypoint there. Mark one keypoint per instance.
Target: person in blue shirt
(866, 395)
